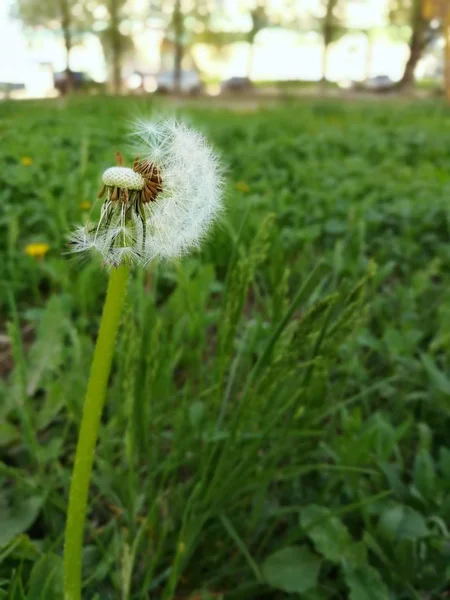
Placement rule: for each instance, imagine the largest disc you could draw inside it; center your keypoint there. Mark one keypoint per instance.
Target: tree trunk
(66, 27)
(259, 21)
(327, 32)
(116, 47)
(324, 63)
(178, 26)
(250, 57)
(369, 56)
(447, 55)
(416, 46)
(177, 67)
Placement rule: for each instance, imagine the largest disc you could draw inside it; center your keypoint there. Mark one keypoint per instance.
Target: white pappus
(164, 205)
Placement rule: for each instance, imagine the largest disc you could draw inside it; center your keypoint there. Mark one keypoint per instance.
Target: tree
(39, 12)
(179, 33)
(369, 53)
(115, 44)
(411, 12)
(260, 20)
(328, 19)
(184, 20)
(331, 28)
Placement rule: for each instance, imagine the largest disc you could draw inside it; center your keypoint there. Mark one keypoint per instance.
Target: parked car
(12, 90)
(379, 83)
(190, 82)
(80, 81)
(237, 84)
(6, 87)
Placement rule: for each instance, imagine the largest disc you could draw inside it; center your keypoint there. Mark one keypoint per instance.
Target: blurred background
(212, 47)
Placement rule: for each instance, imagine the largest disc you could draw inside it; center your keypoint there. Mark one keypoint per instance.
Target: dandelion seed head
(163, 206)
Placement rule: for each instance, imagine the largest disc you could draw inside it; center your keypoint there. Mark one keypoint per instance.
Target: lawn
(277, 419)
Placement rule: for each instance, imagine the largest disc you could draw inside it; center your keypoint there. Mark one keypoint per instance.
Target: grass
(277, 420)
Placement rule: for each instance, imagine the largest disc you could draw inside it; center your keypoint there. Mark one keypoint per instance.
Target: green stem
(90, 422)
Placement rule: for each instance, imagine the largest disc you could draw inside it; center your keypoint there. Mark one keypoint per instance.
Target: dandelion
(161, 207)
(26, 161)
(241, 186)
(37, 250)
(85, 205)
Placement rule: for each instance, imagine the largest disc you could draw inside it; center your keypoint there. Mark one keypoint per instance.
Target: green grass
(277, 420)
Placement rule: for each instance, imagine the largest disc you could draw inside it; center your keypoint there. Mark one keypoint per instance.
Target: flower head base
(122, 177)
(162, 207)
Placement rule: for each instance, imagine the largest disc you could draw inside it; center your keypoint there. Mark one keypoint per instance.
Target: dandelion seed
(26, 161)
(162, 206)
(38, 250)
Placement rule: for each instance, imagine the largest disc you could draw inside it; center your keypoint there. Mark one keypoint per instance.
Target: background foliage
(277, 418)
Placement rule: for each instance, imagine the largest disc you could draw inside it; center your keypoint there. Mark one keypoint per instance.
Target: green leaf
(392, 475)
(54, 402)
(424, 474)
(21, 548)
(437, 377)
(19, 518)
(8, 434)
(403, 522)
(16, 591)
(196, 413)
(46, 355)
(356, 554)
(314, 595)
(46, 579)
(292, 569)
(364, 583)
(444, 462)
(330, 536)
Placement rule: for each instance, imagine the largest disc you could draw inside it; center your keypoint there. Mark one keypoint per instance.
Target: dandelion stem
(90, 422)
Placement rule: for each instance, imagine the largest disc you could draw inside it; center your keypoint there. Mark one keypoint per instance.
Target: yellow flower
(242, 186)
(85, 205)
(26, 161)
(38, 250)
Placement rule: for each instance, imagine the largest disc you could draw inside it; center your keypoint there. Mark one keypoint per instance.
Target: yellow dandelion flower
(85, 205)
(26, 161)
(242, 186)
(38, 250)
